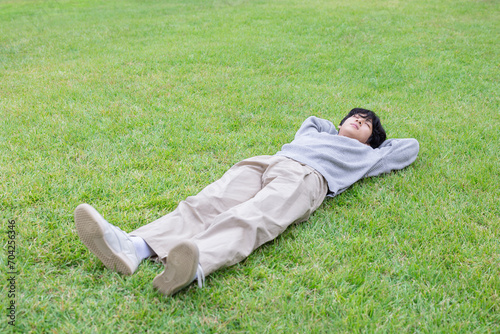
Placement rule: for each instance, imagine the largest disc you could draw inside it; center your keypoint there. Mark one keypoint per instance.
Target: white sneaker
(181, 269)
(110, 244)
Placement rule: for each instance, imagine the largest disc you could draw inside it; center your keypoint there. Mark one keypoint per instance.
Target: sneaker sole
(180, 269)
(90, 229)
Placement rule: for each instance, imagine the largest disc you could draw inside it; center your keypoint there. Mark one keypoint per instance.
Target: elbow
(412, 149)
(415, 146)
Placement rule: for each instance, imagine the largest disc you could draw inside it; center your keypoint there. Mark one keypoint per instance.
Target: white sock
(142, 248)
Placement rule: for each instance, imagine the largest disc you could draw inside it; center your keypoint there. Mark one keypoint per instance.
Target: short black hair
(378, 133)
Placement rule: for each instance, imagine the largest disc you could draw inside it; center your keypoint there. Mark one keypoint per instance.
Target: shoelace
(200, 276)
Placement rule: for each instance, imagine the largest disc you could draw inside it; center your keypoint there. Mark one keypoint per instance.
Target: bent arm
(395, 154)
(315, 124)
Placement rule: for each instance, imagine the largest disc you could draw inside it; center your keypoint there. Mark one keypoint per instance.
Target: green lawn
(133, 105)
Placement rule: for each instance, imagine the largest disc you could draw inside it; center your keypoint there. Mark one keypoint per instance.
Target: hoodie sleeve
(395, 154)
(314, 124)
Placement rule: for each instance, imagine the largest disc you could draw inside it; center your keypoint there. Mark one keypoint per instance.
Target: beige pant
(253, 203)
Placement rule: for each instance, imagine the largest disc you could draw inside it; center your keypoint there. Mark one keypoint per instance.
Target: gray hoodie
(341, 160)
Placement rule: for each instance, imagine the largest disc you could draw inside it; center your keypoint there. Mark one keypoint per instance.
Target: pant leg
(290, 192)
(197, 213)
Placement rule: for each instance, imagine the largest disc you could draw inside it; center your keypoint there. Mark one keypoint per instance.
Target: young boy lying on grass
(253, 202)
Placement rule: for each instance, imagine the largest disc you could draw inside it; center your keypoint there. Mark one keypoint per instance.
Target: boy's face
(356, 127)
